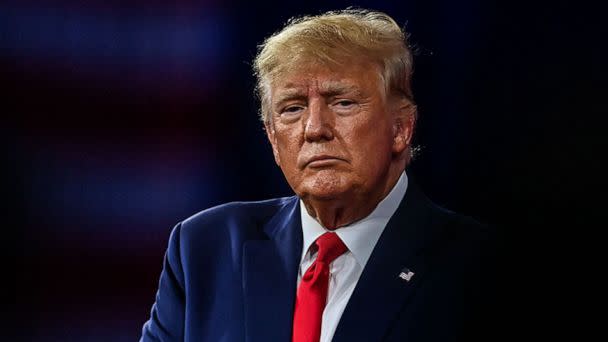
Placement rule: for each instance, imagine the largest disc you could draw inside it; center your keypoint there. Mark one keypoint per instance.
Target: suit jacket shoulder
(234, 216)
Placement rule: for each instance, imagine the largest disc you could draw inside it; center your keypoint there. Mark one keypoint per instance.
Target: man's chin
(325, 188)
(323, 196)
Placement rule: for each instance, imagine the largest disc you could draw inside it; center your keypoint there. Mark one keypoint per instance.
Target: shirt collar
(360, 237)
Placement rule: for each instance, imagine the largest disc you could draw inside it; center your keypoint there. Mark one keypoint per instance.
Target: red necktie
(312, 292)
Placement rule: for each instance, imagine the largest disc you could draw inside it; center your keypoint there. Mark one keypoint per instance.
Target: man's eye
(291, 110)
(345, 103)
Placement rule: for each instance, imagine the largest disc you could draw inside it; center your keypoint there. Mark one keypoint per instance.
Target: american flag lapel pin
(406, 274)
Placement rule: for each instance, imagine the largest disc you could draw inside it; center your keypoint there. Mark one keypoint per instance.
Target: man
(359, 254)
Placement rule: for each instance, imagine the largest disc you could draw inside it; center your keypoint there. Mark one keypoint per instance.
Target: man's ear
(404, 121)
(269, 128)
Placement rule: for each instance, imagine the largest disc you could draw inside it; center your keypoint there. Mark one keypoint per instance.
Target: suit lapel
(380, 292)
(270, 267)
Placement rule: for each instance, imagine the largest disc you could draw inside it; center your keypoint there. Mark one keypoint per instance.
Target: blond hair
(334, 37)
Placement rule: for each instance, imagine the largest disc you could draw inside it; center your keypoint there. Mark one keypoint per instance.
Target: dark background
(124, 117)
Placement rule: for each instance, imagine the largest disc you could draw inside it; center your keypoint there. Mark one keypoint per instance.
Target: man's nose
(319, 124)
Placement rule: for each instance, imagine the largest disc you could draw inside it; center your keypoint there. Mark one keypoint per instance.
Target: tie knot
(330, 247)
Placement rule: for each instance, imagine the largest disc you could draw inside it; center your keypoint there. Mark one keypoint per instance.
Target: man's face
(333, 132)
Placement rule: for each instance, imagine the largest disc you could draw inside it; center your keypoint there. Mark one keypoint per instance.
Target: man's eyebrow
(327, 89)
(289, 94)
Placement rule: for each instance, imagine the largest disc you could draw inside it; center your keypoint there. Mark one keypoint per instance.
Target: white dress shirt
(360, 237)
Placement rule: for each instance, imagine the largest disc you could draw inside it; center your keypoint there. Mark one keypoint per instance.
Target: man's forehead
(325, 79)
(335, 69)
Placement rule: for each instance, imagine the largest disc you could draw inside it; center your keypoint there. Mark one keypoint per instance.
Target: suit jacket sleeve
(166, 321)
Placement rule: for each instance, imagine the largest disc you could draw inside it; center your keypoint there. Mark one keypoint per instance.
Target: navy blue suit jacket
(230, 275)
